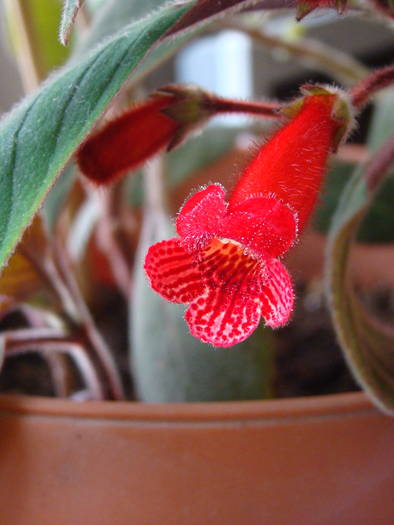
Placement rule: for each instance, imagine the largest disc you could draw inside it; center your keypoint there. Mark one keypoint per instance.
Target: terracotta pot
(314, 461)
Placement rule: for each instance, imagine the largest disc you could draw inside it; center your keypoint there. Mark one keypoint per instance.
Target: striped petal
(229, 309)
(223, 319)
(173, 272)
(277, 295)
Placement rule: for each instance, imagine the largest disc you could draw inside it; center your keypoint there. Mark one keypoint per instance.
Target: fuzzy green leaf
(38, 136)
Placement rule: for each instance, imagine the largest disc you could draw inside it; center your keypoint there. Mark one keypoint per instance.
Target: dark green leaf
(38, 136)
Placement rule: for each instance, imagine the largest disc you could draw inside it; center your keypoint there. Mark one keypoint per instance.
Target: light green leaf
(70, 11)
(38, 136)
(367, 344)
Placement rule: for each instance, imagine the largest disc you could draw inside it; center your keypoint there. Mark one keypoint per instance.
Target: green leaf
(367, 344)
(38, 136)
(70, 11)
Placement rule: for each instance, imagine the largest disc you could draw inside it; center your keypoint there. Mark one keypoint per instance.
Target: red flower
(225, 261)
(225, 264)
(291, 165)
(163, 121)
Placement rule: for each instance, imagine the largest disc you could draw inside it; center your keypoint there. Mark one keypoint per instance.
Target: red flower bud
(291, 165)
(128, 141)
(163, 121)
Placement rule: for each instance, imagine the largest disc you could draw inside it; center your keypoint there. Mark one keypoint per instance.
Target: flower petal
(229, 309)
(262, 224)
(277, 295)
(222, 319)
(173, 272)
(201, 215)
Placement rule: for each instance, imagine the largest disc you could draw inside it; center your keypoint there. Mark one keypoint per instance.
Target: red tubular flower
(292, 164)
(225, 264)
(225, 260)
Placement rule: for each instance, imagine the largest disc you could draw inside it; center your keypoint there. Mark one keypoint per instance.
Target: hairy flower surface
(225, 262)
(291, 165)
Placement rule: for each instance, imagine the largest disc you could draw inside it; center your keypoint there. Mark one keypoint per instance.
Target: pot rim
(282, 410)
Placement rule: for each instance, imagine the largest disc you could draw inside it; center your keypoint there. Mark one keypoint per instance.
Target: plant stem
(47, 341)
(263, 109)
(314, 53)
(102, 351)
(106, 234)
(364, 90)
(55, 267)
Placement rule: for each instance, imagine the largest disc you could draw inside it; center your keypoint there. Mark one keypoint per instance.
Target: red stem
(364, 90)
(265, 109)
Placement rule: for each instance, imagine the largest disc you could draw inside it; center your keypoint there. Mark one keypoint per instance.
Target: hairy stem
(364, 90)
(262, 109)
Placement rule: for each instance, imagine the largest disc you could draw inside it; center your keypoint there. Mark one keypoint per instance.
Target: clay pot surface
(311, 461)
